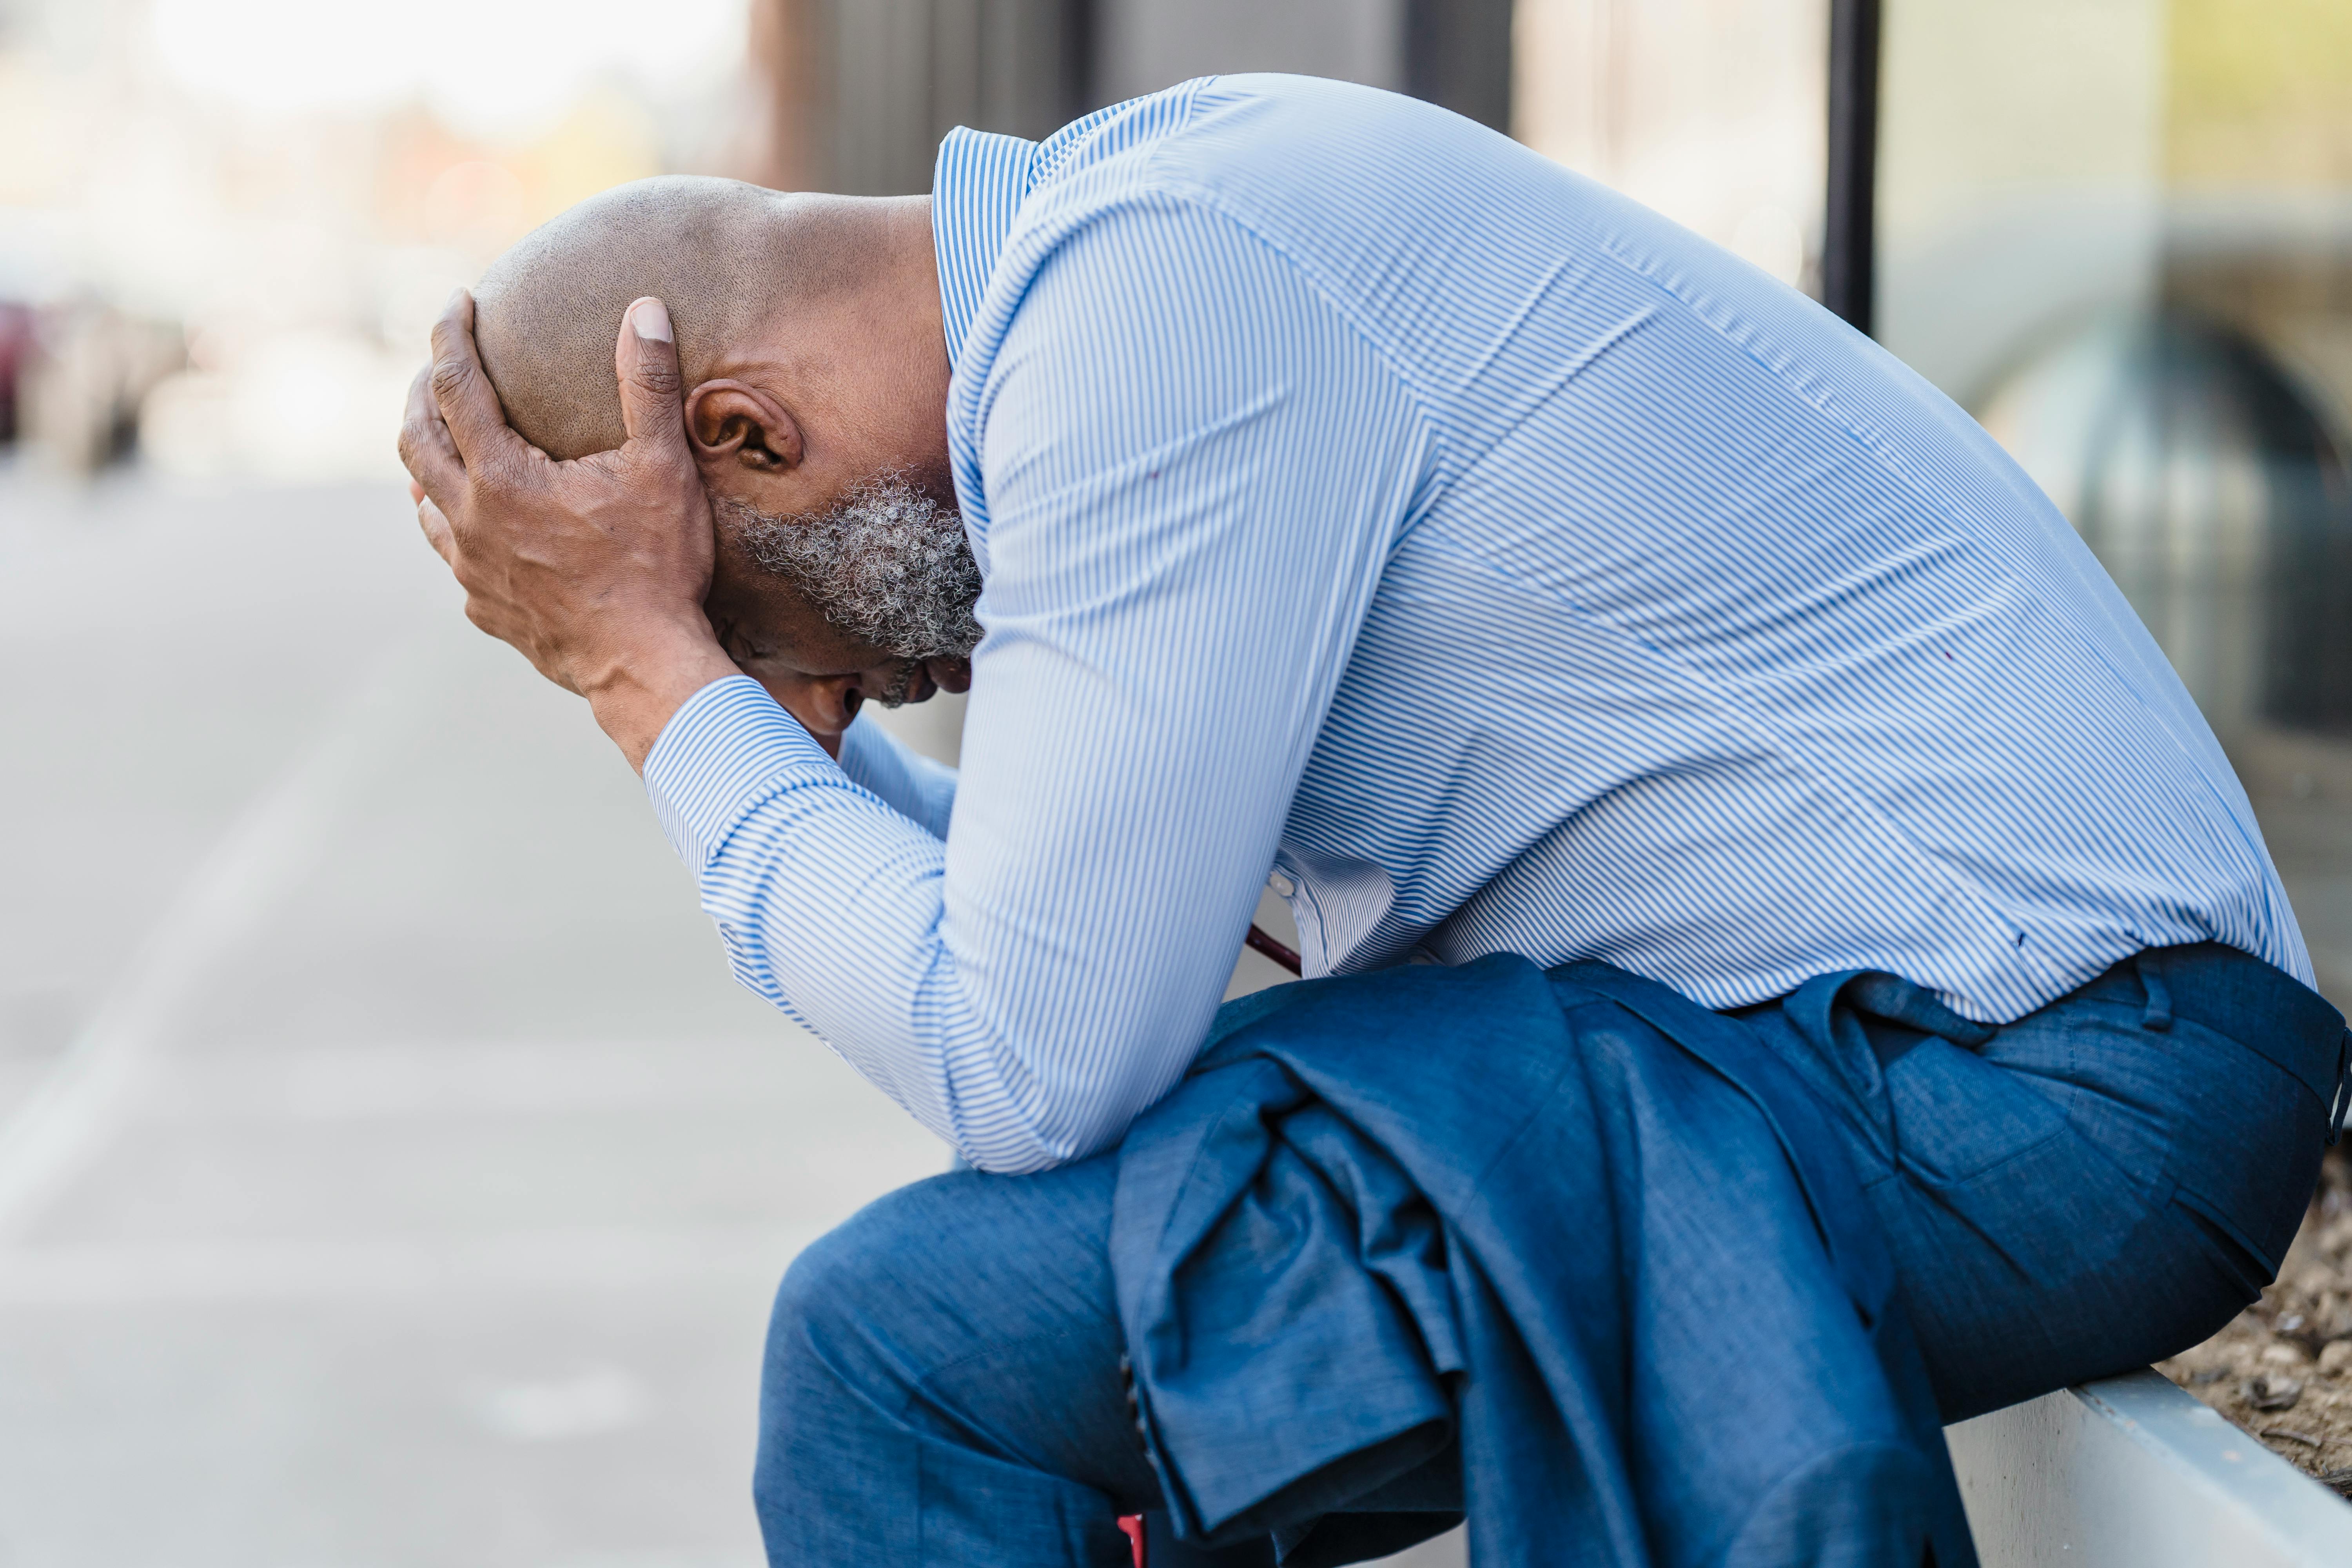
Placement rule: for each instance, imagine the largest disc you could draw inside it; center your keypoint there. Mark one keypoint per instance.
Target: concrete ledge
(2131, 1472)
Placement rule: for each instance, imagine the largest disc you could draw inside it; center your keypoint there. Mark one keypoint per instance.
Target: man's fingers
(644, 358)
(436, 532)
(462, 391)
(426, 449)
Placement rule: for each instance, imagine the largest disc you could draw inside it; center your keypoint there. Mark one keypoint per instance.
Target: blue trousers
(2094, 1186)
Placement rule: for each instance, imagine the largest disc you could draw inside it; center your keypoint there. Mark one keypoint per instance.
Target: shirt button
(1283, 886)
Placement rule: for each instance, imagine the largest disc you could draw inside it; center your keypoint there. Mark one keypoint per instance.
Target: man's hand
(595, 570)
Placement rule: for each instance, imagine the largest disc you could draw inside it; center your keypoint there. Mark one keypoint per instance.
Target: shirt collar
(976, 189)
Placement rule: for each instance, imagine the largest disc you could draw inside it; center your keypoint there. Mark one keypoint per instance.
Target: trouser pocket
(1993, 1149)
(1956, 1116)
(2246, 1160)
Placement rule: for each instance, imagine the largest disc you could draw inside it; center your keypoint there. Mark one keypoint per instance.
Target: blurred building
(857, 93)
(230, 222)
(2120, 231)
(1712, 111)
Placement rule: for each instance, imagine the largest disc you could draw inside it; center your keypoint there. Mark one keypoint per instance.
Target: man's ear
(735, 421)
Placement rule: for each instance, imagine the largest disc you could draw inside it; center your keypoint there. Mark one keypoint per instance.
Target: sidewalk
(429, 1209)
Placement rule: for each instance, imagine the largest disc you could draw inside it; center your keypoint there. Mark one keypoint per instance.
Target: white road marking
(380, 1269)
(58, 1127)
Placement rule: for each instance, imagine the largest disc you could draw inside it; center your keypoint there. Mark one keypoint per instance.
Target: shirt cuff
(728, 748)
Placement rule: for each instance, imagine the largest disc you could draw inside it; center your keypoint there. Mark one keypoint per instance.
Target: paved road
(390, 1176)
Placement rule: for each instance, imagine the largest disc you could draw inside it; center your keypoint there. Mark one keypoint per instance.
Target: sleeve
(919, 788)
(1194, 469)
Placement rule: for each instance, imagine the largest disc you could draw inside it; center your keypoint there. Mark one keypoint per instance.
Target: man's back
(1369, 508)
(1708, 639)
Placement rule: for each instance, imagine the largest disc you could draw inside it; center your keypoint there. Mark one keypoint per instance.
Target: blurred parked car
(91, 368)
(15, 349)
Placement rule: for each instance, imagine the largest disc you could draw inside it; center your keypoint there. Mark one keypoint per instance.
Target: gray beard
(886, 566)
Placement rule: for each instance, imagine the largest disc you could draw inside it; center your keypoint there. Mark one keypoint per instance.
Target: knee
(837, 1375)
(833, 1310)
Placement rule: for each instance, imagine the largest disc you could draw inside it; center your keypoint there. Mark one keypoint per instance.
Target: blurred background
(389, 1173)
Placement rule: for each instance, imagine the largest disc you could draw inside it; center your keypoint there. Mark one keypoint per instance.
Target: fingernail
(651, 319)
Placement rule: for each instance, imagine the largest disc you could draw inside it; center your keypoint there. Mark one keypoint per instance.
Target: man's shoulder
(1158, 184)
(1334, 178)
(1375, 198)
(1262, 133)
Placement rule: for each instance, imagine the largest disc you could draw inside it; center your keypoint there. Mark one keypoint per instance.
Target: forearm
(831, 907)
(1171, 601)
(921, 790)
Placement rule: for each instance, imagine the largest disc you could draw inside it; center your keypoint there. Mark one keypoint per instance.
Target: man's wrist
(728, 749)
(635, 691)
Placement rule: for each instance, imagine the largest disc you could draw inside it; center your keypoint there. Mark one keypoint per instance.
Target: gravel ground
(2283, 1369)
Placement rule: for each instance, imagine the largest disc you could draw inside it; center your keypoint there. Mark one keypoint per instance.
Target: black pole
(1079, 71)
(1457, 54)
(1848, 229)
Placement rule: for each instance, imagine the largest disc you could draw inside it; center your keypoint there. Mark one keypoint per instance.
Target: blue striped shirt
(1369, 505)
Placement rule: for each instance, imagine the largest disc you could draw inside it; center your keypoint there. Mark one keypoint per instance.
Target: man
(1361, 506)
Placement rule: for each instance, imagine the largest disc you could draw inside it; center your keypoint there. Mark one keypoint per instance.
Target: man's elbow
(1062, 1134)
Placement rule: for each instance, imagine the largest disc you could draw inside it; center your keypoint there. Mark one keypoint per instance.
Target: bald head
(815, 407)
(723, 255)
